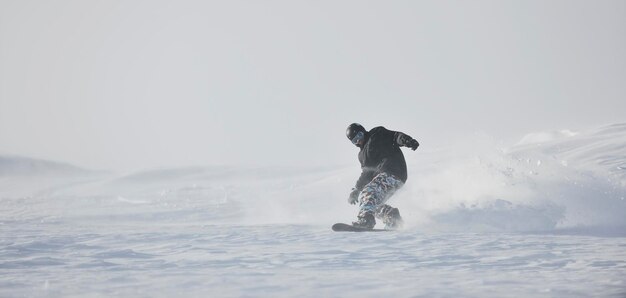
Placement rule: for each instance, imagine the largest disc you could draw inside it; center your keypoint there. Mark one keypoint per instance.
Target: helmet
(353, 130)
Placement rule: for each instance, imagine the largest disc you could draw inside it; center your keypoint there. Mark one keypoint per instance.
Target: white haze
(128, 85)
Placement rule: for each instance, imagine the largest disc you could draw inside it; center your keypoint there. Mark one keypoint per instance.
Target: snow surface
(545, 218)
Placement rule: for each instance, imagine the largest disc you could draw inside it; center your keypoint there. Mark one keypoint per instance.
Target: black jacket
(381, 154)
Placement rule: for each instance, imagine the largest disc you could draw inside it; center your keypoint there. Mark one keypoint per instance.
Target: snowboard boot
(365, 220)
(393, 220)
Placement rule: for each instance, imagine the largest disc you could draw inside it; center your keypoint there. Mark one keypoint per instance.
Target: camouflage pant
(374, 195)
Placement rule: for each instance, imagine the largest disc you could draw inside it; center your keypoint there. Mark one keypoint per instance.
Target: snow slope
(544, 218)
(549, 181)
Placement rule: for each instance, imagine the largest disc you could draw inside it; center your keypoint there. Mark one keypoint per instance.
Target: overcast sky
(140, 84)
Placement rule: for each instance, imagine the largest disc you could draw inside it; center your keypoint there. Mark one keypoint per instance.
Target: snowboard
(342, 227)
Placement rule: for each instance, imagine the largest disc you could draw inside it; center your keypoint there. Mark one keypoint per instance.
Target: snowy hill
(601, 151)
(551, 180)
(547, 215)
(22, 166)
(548, 181)
(28, 177)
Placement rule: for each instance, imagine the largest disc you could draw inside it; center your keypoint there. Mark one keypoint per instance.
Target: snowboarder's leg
(373, 197)
(390, 216)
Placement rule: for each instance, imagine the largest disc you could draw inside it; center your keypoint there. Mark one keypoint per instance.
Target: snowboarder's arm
(366, 177)
(354, 196)
(405, 140)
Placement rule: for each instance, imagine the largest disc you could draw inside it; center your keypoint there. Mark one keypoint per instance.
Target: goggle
(359, 136)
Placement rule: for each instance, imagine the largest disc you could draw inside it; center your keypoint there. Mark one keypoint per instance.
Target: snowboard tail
(342, 227)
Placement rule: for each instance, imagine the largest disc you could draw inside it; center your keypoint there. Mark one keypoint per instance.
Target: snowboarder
(383, 172)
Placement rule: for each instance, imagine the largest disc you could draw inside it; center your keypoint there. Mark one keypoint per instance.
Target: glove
(406, 141)
(354, 196)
